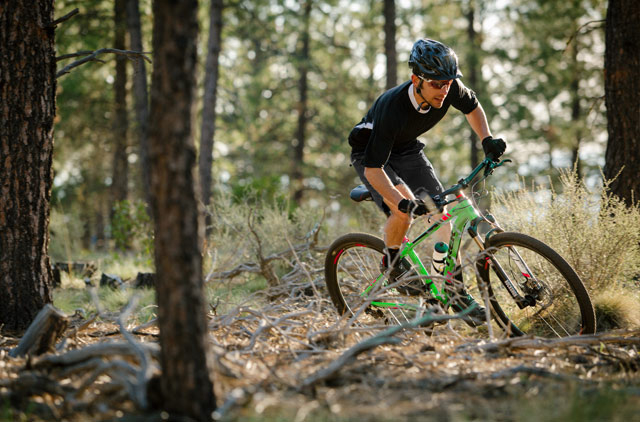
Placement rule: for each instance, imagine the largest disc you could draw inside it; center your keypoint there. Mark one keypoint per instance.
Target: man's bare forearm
(478, 122)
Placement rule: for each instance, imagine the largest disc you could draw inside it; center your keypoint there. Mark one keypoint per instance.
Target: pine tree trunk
(140, 97)
(208, 127)
(27, 110)
(297, 178)
(576, 111)
(390, 42)
(622, 86)
(185, 383)
(120, 163)
(472, 75)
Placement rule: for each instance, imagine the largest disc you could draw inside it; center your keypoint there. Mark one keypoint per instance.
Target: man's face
(434, 92)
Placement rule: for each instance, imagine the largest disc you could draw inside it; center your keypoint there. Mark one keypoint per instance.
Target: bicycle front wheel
(532, 289)
(358, 285)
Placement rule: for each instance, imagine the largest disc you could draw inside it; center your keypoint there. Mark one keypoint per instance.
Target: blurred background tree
(294, 77)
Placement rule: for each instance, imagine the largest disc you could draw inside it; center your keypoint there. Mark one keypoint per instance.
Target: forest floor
(283, 354)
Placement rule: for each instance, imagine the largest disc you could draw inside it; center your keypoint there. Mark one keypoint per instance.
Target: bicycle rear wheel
(360, 289)
(554, 301)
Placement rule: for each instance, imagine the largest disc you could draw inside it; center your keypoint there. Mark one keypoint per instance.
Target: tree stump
(42, 334)
(145, 280)
(112, 281)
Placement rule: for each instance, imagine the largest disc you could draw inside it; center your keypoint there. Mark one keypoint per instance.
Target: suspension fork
(488, 259)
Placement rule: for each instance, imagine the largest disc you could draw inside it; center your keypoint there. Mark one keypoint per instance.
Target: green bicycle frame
(461, 214)
(464, 215)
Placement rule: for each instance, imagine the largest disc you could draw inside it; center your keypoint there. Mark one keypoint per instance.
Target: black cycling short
(413, 170)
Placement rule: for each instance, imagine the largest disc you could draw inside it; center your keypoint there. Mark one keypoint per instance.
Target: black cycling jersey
(395, 121)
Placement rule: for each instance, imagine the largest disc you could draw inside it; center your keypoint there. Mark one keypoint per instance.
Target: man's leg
(417, 171)
(398, 222)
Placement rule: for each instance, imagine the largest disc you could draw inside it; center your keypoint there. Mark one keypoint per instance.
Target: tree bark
(390, 42)
(622, 86)
(297, 178)
(140, 97)
(120, 164)
(208, 128)
(27, 110)
(185, 383)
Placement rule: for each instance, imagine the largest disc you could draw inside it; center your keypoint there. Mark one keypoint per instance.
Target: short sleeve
(463, 98)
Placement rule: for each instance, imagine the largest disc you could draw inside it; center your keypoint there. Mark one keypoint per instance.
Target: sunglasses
(437, 84)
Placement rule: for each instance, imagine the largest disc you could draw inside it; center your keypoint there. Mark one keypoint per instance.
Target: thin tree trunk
(575, 106)
(208, 127)
(390, 42)
(297, 178)
(140, 96)
(472, 75)
(186, 385)
(120, 163)
(622, 86)
(27, 107)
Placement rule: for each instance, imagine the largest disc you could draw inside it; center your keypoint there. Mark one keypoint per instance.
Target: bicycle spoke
(545, 284)
(359, 287)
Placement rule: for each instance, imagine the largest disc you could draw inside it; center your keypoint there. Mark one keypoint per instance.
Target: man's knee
(400, 217)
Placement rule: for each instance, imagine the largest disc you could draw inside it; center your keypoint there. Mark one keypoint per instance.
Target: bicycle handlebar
(488, 164)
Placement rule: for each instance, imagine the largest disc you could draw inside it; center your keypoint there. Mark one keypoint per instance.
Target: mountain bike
(528, 287)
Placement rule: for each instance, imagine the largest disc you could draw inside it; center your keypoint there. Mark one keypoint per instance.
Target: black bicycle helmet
(433, 60)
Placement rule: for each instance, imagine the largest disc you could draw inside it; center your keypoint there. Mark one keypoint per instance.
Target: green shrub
(132, 227)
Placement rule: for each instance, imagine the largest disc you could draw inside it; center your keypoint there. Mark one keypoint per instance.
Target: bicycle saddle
(360, 193)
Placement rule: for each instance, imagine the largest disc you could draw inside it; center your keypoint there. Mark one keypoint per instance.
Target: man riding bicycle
(389, 159)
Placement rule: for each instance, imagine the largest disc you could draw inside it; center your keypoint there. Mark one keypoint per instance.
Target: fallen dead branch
(386, 337)
(287, 347)
(114, 374)
(263, 264)
(630, 338)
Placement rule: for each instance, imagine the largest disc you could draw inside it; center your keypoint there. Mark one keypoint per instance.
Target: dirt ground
(285, 355)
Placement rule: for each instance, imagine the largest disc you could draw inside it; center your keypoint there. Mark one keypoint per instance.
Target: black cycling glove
(413, 206)
(493, 147)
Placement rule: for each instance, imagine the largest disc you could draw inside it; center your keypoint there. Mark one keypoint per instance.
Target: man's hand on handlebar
(493, 147)
(413, 206)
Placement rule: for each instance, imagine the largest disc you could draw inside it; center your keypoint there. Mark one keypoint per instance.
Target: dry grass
(276, 356)
(595, 232)
(271, 352)
(616, 309)
(281, 352)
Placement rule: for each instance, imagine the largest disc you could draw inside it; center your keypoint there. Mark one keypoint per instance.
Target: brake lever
(493, 165)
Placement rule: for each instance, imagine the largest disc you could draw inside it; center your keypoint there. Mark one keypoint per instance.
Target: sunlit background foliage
(540, 82)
